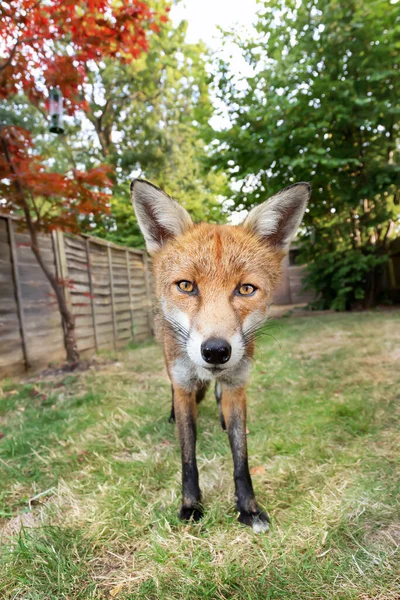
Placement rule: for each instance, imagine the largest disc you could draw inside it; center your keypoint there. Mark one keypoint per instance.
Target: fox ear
(277, 219)
(160, 218)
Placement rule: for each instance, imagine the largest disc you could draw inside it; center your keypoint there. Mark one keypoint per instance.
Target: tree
(322, 106)
(147, 119)
(56, 45)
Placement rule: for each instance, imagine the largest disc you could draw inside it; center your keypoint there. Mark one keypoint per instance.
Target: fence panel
(122, 314)
(106, 289)
(102, 295)
(42, 321)
(79, 291)
(139, 299)
(12, 357)
(299, 295)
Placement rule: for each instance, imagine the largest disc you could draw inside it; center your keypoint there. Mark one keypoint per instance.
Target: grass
(323, 443)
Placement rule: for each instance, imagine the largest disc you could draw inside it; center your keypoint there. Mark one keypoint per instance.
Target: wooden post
(92, 304)
(128, 271)
(56, 252)
(18, 293)
(148, 292)
(110, 270)
(62, 267)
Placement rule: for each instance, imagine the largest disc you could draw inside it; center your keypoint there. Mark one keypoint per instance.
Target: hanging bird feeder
(56, 111)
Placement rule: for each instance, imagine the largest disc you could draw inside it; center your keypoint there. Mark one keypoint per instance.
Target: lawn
(324, 452)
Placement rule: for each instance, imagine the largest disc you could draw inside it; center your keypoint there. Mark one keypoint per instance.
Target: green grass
(323, 442)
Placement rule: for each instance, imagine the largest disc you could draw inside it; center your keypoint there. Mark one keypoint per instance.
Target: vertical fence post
(110, 271)
(148, 292)
(62, 267)
(18, 293)
(92, 304)
(128, 271)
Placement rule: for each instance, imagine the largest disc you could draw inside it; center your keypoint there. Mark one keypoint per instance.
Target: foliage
(49, 199)
(343, 277)
(107, 521)
(148, 119)
(49, 45)
(322, 105)
(53, 45)
(144, 117)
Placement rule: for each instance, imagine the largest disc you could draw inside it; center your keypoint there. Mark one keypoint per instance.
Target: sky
(204, 16)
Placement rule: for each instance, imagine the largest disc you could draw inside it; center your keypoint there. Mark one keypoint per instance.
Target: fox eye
(246, 289)
(187, 287)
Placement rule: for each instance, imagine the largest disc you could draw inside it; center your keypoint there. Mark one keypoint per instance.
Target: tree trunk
(67, 318)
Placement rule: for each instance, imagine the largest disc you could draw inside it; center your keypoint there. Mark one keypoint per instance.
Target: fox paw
(190, 512)
(257, 520)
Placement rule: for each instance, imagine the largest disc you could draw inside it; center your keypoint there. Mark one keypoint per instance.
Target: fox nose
(216, 351)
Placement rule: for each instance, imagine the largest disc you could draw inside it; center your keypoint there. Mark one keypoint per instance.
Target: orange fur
(218, 258)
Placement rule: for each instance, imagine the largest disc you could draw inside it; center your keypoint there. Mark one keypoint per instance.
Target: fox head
(214, 282)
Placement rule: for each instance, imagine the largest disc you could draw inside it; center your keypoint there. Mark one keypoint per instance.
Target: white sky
(204, 16)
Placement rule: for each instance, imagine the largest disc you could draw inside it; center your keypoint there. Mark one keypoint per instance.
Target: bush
(345, 278)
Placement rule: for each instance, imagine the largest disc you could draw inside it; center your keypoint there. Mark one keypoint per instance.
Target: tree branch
(9, 59)
(18, 43)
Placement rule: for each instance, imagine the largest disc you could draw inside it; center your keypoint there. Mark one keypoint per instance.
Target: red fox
(214, 285)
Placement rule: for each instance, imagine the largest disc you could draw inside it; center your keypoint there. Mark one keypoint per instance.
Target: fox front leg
(233, 404)
(185, 416)
(200, 393)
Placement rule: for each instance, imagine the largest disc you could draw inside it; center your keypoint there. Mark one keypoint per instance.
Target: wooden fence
(291, 289)
(108, 289)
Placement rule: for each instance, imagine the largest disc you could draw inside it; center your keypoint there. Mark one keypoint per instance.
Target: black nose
(216, 351)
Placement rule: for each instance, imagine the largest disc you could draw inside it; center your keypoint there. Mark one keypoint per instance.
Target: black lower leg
(191, 495)
(172, 415)
(249, 511)
(245, 498)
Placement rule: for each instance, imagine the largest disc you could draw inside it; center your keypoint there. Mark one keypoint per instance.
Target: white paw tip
(259, 526)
